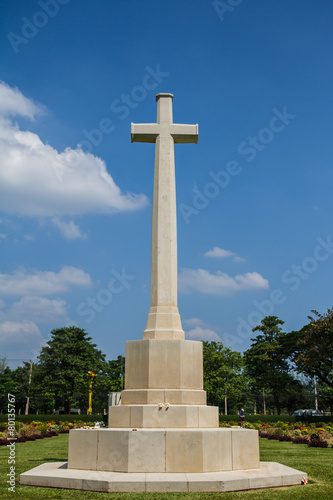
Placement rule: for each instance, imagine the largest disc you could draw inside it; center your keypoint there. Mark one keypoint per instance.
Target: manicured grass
(317, 462)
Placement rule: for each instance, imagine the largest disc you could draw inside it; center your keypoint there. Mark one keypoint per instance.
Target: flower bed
(317, 434)
(39, 430)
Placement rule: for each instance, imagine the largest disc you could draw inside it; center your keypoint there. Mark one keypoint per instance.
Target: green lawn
(317, 462)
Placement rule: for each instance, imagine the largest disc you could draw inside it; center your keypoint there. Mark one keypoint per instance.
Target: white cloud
(219, 283)
(21, 339)
(20, 332)
(193, 322)
(38, 309)
(200, 330)
(13, 103)
(68, 229)
(199, 333)
(21, 282)
(220, 253)
(37, 180)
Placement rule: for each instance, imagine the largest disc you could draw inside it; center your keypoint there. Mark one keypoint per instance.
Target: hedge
(60, 418)
(274, 418)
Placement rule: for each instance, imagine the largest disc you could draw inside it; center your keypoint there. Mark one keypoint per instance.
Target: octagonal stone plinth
(164, 364)
(148, 416)
(158, 450)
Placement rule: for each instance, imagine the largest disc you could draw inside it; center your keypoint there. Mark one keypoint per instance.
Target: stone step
(160, 416)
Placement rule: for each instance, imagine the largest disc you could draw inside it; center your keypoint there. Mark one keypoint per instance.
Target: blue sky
(254, 196)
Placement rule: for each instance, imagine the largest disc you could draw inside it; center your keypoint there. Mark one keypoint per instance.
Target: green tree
(311, 348)
(3, 363)
(267, 362)
(65, 362)
(116, 373)
(7, 386)
(223, 374)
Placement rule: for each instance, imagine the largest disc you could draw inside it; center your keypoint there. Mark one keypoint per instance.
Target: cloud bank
(200, 331)
(219, 283)
(37, 180)
(23, 282)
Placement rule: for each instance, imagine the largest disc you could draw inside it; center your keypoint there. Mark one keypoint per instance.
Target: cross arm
(144, 132)
(184, 133)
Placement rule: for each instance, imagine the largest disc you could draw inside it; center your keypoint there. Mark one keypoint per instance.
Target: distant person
(304, 418)
(241, 416)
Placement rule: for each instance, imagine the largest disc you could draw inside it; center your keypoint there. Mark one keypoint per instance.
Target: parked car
(314, 413)
(298, 413)
(309, 413)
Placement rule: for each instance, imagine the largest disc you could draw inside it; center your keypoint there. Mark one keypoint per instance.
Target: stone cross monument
(163, 437)
(163, 319)
(164, 402)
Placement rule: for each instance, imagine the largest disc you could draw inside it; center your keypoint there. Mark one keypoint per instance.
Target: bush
(281, 425)
(285, 438)
(300, 440)
(30, 438)
(247, 425)
(47, 434)
(318, 443)
(314, 436)
(42, 427)
(268, 418)
(60, 418)
(273, 436)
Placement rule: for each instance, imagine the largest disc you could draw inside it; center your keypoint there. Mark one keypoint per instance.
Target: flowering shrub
(281, 425)
(37, 430)
(310, 434)
(42, 427)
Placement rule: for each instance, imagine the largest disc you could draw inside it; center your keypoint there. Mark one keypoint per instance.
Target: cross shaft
(163, 319)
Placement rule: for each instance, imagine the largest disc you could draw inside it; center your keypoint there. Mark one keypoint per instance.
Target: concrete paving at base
(57, 475)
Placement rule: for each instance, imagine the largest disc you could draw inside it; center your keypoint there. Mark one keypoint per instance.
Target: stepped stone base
(163, 450)
(164, 323)
(57, 475)
(148, 416)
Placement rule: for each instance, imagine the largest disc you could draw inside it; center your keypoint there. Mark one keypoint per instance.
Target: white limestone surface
(267, 475)
(163, 449)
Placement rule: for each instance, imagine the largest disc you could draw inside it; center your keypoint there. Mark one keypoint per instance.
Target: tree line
(277, 373)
